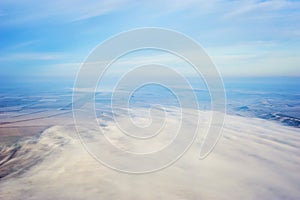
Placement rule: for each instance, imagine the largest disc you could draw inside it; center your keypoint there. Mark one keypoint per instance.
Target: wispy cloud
(30, 56)
(259, 7)
(58, 11)
(237, 34)
(23, 44)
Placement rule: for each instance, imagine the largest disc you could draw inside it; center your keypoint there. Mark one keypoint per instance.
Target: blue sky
(243, 38)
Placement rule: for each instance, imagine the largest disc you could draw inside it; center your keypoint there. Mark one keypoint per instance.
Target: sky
(243, 38)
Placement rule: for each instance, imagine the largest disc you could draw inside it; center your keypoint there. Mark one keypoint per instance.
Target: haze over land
(255, 158)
